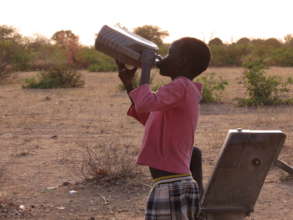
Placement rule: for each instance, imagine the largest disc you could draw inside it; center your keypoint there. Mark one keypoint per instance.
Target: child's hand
(126, 75)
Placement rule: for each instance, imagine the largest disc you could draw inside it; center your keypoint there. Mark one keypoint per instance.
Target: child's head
(187, 57)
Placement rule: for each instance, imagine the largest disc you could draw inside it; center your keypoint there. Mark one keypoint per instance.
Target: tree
(152, 33)
(13, 53)
(288, 40)
(215, 41)
(273, 42)
(243, 40)
(65, 38)
(9, 33)
(68, 41)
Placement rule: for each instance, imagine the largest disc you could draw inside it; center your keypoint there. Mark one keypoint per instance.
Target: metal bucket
(122, 45)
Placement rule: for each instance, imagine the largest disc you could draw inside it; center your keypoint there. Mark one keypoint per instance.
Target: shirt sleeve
(167, 97)
(141, 117)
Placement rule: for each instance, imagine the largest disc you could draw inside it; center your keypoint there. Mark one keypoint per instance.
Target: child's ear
(185, 63)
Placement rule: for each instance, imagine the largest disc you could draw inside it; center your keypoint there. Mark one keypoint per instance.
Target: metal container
(122, 45)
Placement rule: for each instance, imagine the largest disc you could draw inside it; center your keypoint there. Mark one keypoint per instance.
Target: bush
(108, 163)
(4, 72)
(14, 54)
(21, 59)
(102, 67)
(5, 59)
(94, 68)
(57, 77)
(228, 55)
(94, 61)
(213, 87)
(262, 89)
(47, 56)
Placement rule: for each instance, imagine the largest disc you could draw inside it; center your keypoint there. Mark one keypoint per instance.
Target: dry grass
(52, 126)
(109, 163)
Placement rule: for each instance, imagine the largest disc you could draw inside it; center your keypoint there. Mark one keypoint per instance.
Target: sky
(206, 19)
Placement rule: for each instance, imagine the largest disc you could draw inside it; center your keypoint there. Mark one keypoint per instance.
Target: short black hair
(197, 54)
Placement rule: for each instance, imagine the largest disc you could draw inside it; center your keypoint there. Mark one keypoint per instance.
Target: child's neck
(174, 77)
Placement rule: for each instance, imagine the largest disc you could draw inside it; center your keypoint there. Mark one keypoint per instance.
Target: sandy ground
(44, 134)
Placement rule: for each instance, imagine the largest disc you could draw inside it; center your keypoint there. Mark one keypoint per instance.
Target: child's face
(172, 64)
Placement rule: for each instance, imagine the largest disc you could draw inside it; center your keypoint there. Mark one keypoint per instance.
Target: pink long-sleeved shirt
(170, 117)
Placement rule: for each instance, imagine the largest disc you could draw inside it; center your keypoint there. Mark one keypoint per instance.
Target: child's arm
(141, 117)
(126, 76)
(196, 167)
(167, 96)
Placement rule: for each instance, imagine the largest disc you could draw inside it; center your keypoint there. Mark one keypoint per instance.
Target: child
(170, 118)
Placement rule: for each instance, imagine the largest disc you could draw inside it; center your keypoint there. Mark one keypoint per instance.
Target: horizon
(227, 20)
(168, 41)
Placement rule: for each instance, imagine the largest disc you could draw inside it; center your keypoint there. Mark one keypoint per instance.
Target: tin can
(122, 45)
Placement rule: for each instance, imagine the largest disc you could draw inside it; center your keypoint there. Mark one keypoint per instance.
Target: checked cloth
(173, 199)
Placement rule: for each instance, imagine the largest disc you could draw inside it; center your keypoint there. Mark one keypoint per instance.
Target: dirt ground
(44, 133)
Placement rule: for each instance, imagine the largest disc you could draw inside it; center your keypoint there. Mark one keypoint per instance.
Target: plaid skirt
(173, 199)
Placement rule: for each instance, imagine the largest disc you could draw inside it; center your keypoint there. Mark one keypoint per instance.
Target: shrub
(87, 56)
(94, 61)
(21, 59)
(262, 89)
(46, 56)
(56, 77)
(213, 87)
(13, 52)
(4, 72)
(108, 163)
(228, 55)
(282, 57)
(5, 58)
(93, 68)
(102, 67)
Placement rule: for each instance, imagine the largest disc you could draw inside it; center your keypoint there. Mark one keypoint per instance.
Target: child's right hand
(126, 75)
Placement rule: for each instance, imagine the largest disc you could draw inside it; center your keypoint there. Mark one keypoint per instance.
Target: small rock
(66, 183)
(71, 192)
(54, 137)
(51, 188)
(61, 207)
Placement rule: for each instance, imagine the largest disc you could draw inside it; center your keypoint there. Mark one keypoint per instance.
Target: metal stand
(284, 166)
(240, 172)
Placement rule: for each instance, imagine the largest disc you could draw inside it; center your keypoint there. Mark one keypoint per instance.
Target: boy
(170, 118)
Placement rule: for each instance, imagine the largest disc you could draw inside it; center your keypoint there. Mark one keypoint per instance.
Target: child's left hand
(126, 75)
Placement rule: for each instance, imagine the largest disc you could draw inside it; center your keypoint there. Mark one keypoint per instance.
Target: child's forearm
(129, 87)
